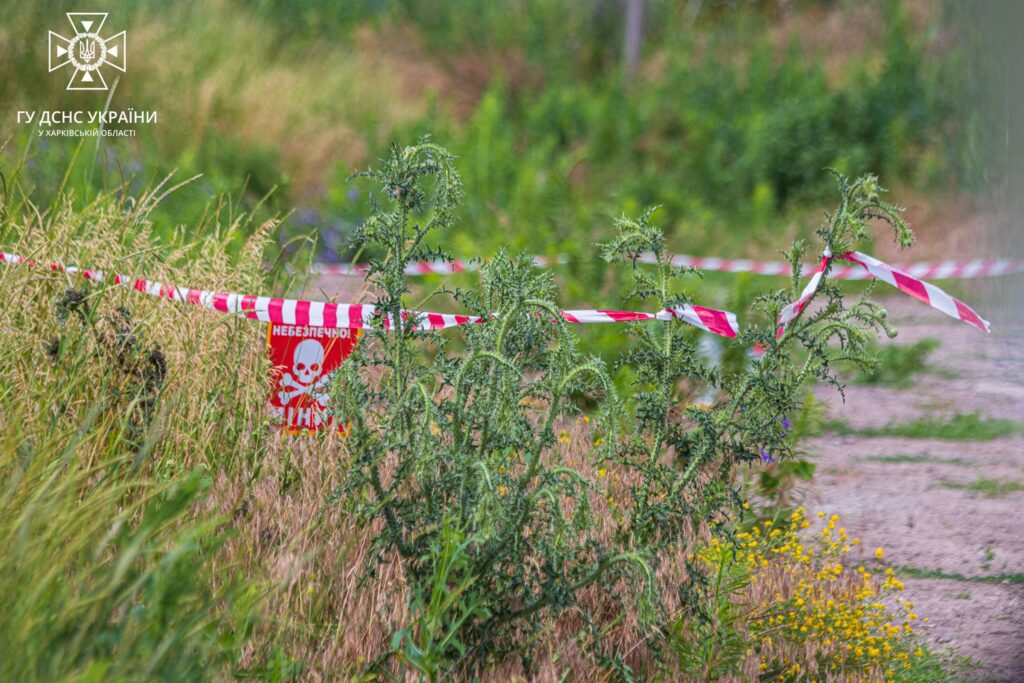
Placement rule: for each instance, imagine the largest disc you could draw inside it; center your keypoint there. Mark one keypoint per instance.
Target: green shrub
(729, 138)
(456, 459)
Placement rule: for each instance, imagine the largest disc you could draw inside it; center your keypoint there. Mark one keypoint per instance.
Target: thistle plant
(454, 454)
(457, 446)
(687, 454)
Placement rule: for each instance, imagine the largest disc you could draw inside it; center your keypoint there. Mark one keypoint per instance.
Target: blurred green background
(562, 114)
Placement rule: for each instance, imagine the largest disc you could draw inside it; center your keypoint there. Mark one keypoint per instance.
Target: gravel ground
(902, 493)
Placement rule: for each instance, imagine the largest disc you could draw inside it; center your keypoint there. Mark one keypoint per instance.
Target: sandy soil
(909, 507)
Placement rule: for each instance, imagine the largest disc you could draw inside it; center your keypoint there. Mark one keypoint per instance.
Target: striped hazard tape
(364, 316)
(935, 270)
(905, 282)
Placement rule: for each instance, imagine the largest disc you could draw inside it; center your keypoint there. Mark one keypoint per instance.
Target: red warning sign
(303, 359)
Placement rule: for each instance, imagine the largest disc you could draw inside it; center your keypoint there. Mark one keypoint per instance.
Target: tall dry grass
(108, 568)
(337, 617)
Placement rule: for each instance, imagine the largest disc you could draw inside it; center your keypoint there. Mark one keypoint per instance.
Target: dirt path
(951, 511)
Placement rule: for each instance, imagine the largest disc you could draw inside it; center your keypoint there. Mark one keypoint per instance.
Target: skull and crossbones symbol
(308, 366)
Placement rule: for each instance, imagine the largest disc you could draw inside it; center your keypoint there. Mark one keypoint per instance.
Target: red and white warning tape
(721, 323)
(908, 278)
(263, 308)
(793, 310)
(919, 289)
(361, 316)
(935, 270)
(906, 283)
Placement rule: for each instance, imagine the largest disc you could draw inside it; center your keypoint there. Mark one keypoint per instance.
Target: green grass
(960, 427)
(898, 363)
(905, 458)
(990, 488)
(911, 572)
(989, 556)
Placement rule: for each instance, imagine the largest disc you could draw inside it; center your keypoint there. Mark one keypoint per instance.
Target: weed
(802, 612)
(132, 374)
(919, 573)
(455, 460)
(493, 522)
(904, 458)
(989, 488)
(959, 427)
(107, 449)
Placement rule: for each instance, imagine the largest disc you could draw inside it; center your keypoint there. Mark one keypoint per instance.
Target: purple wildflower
(785, 425)
(766, 457)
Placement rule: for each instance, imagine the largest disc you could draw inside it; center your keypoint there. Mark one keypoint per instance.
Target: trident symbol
(87, 50)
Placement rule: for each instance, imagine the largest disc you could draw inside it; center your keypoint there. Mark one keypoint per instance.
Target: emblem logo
(87, 52)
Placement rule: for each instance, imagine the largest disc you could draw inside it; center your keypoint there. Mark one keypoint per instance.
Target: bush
(456, 459)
